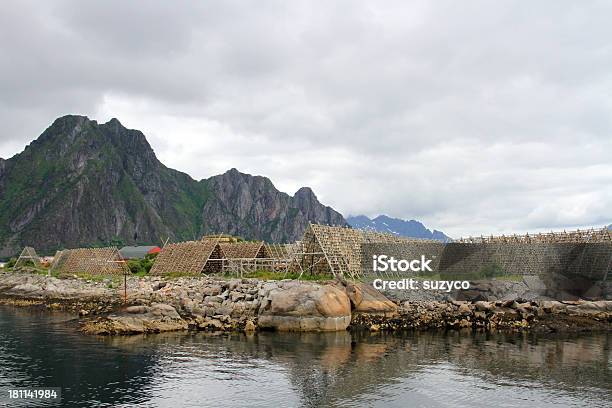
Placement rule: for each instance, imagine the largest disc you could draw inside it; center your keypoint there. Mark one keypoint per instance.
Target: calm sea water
(40, 349)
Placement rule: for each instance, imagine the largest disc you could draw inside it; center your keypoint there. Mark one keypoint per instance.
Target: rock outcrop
(365, 299)
(138, 319)
(295, 306)
(39, 287)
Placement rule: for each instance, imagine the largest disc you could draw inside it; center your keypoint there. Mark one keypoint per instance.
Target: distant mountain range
(404, 228)
(82, 183)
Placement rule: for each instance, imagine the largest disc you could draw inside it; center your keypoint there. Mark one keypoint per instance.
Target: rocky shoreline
(155, 304)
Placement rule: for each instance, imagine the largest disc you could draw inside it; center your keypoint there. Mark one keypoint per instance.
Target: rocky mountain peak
(235, 176)
(305, 193)
(306, 201)
(69, 122)
(132, 141)
(64, 130)
(80, 131)
(114, 122)
(234, 182)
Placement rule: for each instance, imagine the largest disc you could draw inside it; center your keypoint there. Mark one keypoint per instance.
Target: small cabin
(138, 252)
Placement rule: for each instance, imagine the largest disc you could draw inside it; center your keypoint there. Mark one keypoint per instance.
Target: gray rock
(157, 318)
(137, 309)
(212, 290)
(236, 296)
(535, 284)
(484, 306)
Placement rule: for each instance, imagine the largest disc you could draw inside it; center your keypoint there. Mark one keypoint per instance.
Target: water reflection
(41, 349)
(333, 369)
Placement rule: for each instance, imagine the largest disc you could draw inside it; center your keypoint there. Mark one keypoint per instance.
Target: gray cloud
(470, 116)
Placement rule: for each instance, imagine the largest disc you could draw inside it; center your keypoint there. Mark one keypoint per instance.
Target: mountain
(83, 183)
(251, 206)
(383, 223)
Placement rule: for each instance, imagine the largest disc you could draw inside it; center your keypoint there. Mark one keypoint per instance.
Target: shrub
(135, 265)
(141, 266)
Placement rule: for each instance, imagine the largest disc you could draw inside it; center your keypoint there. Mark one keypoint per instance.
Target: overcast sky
(472, 117)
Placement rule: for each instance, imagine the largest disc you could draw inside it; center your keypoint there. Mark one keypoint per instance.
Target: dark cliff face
(251, 206)
(84, 183)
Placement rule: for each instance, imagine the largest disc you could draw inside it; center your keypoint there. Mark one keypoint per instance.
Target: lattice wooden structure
(282, 251)
(337, 250)
(189, 257)
(240, 258)
(242, 250)
(593, 235)
(28, 254)
(93, 261)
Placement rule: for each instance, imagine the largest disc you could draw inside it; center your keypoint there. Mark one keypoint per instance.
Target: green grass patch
(46, 272)
(38, 270)
(176, 275)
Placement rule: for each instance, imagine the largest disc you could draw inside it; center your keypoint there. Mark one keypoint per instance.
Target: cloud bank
(473, 117)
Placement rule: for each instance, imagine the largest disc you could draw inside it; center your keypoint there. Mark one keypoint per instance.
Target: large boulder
(156, 318)
(305, 307)
(366, 299)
